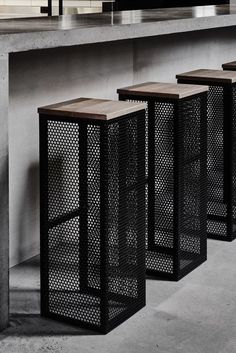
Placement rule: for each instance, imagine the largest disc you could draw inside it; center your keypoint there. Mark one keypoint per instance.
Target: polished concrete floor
(195, 315)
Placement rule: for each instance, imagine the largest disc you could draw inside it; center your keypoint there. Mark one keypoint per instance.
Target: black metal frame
(120, 5)
(48, 9)
(227, 133)
(120, 244)
(173, 253)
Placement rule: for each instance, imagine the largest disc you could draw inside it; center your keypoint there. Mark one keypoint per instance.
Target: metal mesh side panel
(146, 164)
(92, 261)
(72, 241)
(164, 177)
(126, 206)
(161, 146)
(234, 158)
(73, 246)
(64, 192)
(192, 182)
(161, 188)
(217, 208)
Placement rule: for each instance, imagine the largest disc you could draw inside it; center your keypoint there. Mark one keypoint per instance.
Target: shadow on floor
(35, 325)
(25, 318)
(159, 279)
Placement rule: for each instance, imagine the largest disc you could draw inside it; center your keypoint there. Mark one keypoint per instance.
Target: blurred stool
(229, 66)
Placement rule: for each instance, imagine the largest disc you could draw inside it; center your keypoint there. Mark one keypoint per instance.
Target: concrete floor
(196, 315)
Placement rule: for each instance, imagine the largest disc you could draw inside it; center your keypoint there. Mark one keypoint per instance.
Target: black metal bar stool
(92, 194)
(231, 66)
(221, 164)
(176, 152)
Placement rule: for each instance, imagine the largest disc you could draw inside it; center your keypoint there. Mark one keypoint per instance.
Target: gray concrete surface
(195, 315)
(19, 35)
(4, 191)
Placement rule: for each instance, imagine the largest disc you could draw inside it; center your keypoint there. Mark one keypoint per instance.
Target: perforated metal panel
(221, 165)
(192, 191)
(92, 219)
(234, 161)
(177, 185)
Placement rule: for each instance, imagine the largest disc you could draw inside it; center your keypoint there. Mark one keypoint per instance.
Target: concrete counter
(43, 61)
(41, 33)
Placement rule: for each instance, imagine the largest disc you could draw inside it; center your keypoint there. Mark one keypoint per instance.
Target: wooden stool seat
(206, 75)
(163, 90)
(89, 108)
(229, 66)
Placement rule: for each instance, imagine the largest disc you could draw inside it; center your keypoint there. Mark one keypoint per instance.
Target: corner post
(4, 192)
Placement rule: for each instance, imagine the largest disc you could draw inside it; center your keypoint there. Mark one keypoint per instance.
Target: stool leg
(44, 270)
(190, 196)
(178, 186)
(151, 177)
(228, 155)
(104, 227)
(203, 176)
(141, 212)
(83, 195)
(122, 213)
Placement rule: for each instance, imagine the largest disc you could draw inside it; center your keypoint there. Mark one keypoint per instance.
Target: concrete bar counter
(45, 60)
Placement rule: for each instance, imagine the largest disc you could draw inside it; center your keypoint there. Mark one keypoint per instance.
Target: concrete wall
(44, 77)
(161, 58)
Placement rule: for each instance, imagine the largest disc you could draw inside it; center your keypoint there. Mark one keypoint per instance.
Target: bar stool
(92, 204)
(231, 66)
(176, 185)
(221, 222)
